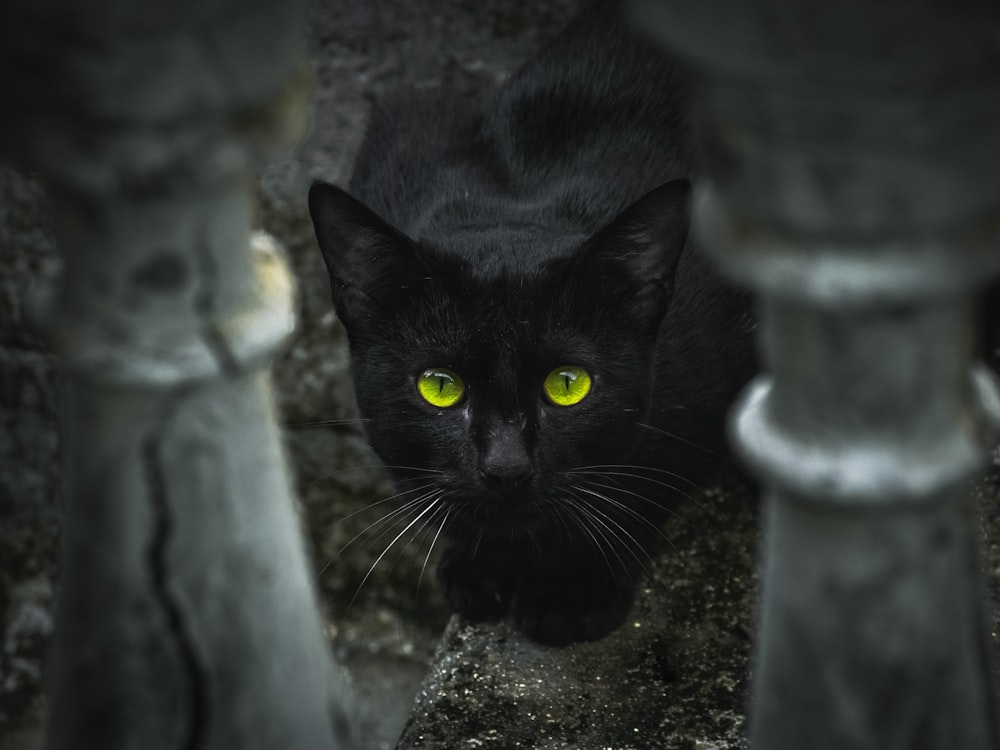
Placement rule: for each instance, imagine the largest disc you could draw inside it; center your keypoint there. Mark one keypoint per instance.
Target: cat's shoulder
(410, 140)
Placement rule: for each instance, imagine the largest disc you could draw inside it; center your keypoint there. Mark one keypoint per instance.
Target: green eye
(440, 386)
(567, 385)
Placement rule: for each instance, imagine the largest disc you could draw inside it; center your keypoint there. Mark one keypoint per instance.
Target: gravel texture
(673, 676)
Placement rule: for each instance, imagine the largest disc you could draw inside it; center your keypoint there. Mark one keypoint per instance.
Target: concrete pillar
(185, 615)
(850, 154)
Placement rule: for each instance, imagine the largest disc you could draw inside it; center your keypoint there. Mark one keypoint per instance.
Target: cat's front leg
(472, 587)
(563, 609)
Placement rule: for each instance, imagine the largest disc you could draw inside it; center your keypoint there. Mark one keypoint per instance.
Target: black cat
(530, 333)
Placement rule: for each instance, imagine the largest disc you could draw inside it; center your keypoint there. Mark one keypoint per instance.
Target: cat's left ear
(369, 261)
(643, 245)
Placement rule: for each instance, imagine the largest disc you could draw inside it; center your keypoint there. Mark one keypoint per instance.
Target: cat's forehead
(505, 250)
(495, 294)
(497, 319)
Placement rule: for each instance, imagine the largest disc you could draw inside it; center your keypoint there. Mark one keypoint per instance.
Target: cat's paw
(470, 590)
(570, 616)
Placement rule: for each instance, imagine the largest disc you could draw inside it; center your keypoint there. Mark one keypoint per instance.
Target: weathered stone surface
(673, 676)
(29, 455)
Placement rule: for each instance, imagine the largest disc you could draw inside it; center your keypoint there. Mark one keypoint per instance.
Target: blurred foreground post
(185, 617)
(850, 152)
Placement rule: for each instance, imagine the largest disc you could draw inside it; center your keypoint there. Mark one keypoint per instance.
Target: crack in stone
(204, 307)
(156, 485)
(220, 350)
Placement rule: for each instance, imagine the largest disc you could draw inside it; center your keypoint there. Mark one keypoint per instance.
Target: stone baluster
(850, 156)
(185, 615)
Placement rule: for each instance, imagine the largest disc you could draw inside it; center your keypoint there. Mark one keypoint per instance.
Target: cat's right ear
(366, 257)
(637, 254)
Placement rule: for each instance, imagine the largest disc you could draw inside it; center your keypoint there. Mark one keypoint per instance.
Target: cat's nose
(507, 473)
(505, 460)
(507, 480)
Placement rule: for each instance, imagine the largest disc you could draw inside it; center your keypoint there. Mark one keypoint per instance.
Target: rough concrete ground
(678, 678)
(673, 676)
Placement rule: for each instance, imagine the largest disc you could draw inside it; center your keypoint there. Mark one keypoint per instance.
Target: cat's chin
(493, 521)
(550, 602)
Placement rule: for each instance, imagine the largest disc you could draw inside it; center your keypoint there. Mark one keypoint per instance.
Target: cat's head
(495, 379)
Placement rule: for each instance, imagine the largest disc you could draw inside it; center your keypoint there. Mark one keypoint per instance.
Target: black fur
(548, 230)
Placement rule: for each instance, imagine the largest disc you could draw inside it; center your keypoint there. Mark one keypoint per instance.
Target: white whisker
(626, 539)
(670, 511)
(626, 491)
(407, 510)
(430, 549)
(410, 505)
(420, 515)
(576, 516)
(479, 538)
(598, 470)
(604, 469)
(421, 488)
(619, 504)
(374, 467)
(327, 423)
(669, 434)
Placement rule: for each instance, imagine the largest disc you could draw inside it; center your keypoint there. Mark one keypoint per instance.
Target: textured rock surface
(673, 676)
(29, 452)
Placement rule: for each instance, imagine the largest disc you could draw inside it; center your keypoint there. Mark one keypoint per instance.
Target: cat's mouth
(499, 514)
